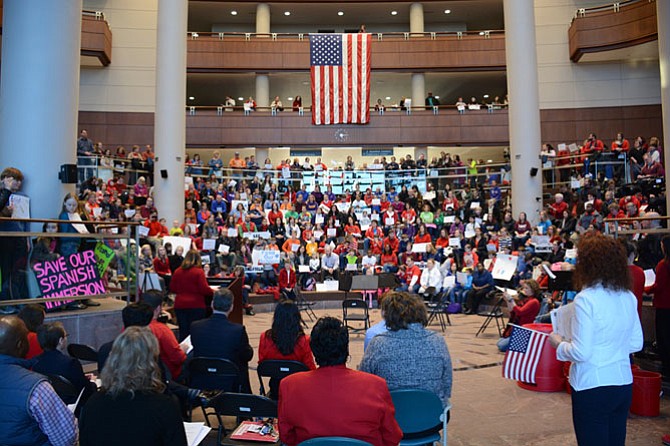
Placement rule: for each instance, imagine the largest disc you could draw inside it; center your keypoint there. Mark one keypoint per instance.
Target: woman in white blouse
(605, 331)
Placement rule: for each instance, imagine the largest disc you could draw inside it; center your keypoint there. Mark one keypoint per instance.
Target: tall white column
(524, 108)
(418, 89)
(170, 116)
(663, 18)
(262, 18)
(416, 18)
(39, 91)
(262, 90)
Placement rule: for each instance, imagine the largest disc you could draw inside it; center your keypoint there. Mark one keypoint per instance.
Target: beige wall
(128, 83)
(564, 84)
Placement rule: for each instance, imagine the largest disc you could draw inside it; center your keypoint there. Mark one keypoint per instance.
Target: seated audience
(312, 404)
(33, 316)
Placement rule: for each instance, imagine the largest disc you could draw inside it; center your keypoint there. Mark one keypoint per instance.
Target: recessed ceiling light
(447, 11)
(305, 82)
(489, 161)
(289, 98)
(394, 12)
(287, 13)
(437, 97)
(233, 12)
(240, 99)
(388, 98)
(190, 98)
(481, 33)
(486, 96)
(340, 13)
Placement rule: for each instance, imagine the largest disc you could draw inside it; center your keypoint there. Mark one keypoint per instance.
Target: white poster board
(505, 267)
(184, 242)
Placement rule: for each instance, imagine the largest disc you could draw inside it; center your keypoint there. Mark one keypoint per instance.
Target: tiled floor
(487, 409)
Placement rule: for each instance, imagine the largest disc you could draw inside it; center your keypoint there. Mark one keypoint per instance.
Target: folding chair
(304, 305)
(334, 441)
(63, 388)
(437, 309)
(82, 352)
(355, 310)
(241, 405)
(494, 314)
(421, 417)
(213, 374)
(276, 370)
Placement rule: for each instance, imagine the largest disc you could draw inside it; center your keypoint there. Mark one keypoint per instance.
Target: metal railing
(403, 35)
(99, 236)
(614, 7)
(192, 110)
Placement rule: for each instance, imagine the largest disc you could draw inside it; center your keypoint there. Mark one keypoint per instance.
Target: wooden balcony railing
(456, 51)
(96, 37)
(611, 27)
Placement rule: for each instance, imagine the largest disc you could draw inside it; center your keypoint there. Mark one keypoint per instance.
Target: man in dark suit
(218, 337)
(334, 400)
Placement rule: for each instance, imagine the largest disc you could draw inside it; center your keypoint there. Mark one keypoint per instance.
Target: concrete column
(261, 155)
(524, 109)
(418, 89)
(262, 18)
(416, 18)
(663, 18)
(262, 90)
(39, 97)
(170, 116)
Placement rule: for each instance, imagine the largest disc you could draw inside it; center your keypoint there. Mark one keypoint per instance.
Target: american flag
(523, 354)
(340, 69)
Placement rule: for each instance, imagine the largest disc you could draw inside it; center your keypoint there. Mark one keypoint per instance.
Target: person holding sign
(605, 330)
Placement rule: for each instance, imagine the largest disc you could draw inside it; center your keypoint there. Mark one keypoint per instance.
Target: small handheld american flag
(523, 354)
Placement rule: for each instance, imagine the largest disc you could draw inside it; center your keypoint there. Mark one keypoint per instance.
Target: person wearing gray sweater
(407, 355)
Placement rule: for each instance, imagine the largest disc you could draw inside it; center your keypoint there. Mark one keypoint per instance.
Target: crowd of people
(443, 241)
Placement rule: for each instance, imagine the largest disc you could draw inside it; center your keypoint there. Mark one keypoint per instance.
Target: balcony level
(444, 51)
(615, 32)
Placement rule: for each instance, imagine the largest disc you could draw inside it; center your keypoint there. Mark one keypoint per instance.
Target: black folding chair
(304, 305)
(64, 388)
(355, 310)
(494, 313)
(437, 309)
(213, 374)
(241, 405)
(82, 352)
(276, 370)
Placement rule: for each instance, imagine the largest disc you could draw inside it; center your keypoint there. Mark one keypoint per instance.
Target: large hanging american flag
(523, 354)
(340, 69)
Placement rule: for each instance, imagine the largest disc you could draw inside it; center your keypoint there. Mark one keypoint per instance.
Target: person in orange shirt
(237, 164)
(287, 247)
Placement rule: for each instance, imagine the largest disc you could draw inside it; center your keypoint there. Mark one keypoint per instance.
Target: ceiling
(211, 89)
(307, 17)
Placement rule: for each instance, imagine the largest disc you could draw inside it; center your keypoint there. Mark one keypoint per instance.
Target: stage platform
(93, 326)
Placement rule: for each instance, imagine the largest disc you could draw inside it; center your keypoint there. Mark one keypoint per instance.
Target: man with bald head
(33, 414)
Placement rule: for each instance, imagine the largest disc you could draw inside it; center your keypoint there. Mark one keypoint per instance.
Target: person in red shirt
(412, 276)
(193, 293)
(372, 232)
(389, 259)
(620, 144)
(171, 353)
(287, 280)
(393, 241)
(285, 341)
(661, 292)
(523, 309)
(423, 236)
(557, 207)
(33, 316)
(162, 266)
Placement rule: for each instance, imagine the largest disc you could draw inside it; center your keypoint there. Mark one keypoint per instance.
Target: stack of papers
(195, 433)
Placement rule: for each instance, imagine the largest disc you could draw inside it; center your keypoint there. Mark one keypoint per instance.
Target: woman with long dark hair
(605, 331)
(286, 340)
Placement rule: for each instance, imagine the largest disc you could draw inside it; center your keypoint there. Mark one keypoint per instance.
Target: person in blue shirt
(482, 284)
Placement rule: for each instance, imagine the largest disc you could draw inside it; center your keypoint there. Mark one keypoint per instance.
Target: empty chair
(241, 405)
(82, 352)
(437, 309)
(213, 374)
(334, 441)
(421, 416)
(304, 305)
(355, 310)
(276, 370)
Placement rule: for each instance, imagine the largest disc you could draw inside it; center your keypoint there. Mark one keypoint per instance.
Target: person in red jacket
(287, 280)
(171, 353)
(523, 309)
(193, 294)
(285, 341)
(162, 266)
(661, 291)
(557, 207)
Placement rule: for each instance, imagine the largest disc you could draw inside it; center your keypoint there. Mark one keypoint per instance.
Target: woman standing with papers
(605, 331)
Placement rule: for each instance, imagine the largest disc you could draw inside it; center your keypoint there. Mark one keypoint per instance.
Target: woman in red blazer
(286, 340)
(192, 293)
(287, 280)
